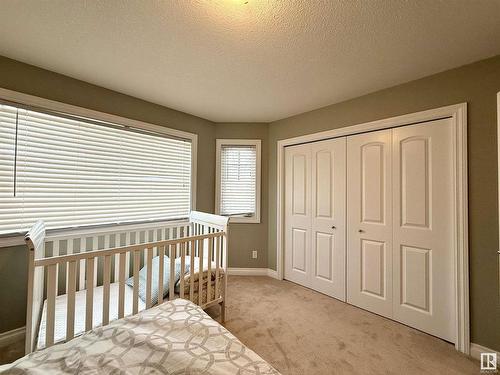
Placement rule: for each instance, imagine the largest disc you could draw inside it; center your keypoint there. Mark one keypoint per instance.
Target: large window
(238, 180)
(71, 171)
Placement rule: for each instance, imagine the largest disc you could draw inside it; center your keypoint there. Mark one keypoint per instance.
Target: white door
(369, 221)
(315, 216)
(423, 227)
(328, 217)
(298, 214)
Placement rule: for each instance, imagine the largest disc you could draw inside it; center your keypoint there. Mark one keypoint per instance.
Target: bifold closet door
(328, 197)
(369, 221)
(315, 216)
(423, 227)
(400, 225)
(298, 214)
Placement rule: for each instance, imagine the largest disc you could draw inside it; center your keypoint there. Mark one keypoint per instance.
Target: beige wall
(248, 237)
(477, 84)
(35, 81)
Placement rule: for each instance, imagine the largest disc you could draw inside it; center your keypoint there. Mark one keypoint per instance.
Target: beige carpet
(300, 331)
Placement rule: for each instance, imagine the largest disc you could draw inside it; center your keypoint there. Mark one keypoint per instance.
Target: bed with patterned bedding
(176, 337)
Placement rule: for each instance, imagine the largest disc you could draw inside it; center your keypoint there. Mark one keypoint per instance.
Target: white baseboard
(476, 350)
(252, 272)
(14, 335)
(272, 273)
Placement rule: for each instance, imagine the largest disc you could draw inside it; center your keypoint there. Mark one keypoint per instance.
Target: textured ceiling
(255, 60)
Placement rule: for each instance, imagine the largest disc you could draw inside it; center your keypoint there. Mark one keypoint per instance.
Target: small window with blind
(238, 180)
(74, 171)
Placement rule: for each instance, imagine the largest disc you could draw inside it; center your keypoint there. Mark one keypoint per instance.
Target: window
(72, 171)
(238, 180)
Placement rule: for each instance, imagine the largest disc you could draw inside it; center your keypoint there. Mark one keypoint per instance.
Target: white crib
(64, 273)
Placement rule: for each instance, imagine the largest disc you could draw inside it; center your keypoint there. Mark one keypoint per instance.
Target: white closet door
(369, 221)
(423, 232)
(328, 217)
(298, 214)
(315, 216)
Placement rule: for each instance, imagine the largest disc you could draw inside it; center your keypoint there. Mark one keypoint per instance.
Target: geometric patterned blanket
(176, 337)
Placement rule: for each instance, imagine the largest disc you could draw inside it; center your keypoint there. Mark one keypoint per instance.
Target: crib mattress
(176, 337)
(80, 307)
(80, 311)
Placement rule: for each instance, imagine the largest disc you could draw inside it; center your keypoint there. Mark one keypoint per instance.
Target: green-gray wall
(247, 237)
(477, 84)
(35, 81)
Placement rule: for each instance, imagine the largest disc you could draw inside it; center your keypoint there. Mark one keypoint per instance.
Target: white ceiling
(255, 60)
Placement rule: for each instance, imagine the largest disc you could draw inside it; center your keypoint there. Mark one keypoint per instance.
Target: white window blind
(238, 166)
(74, 172)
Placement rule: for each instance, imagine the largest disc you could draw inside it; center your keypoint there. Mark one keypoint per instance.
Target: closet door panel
(423, 232)
(328, 182)
(298, 214)
(369, 221)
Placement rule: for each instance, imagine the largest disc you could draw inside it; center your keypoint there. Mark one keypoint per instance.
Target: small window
(238, 180)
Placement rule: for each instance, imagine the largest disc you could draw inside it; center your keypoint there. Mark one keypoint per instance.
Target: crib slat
(55, 253)
(81, 281)
(70, 307)
(138, 240)
(69, 250)
(200, 273)
(160, 274)
(155, 238)
(209, 271)
(149, 274)
(118, 242)
(106, 278)
(51, 304)
(183, 268)
(191, 272)
(217, 265)
(137, 264)
(121, 286)
(172, 272)
(127, 255)
(107, 245)
(95, 243)
(89, 303)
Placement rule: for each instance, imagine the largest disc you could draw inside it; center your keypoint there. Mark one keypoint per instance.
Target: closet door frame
(458, 114)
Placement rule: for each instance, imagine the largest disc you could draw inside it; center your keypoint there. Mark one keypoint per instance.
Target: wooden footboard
(201, 247)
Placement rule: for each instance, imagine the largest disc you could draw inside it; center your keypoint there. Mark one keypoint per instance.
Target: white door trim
(458, 113)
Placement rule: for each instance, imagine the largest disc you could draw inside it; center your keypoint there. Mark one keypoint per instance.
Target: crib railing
(72, 242)
(197, 239)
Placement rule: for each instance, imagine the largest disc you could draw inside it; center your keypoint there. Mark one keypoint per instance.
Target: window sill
(14, 240)
(244, 220)
(17, 239)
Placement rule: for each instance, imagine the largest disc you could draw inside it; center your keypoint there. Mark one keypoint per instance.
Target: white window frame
(63, 108)
(239, 142)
